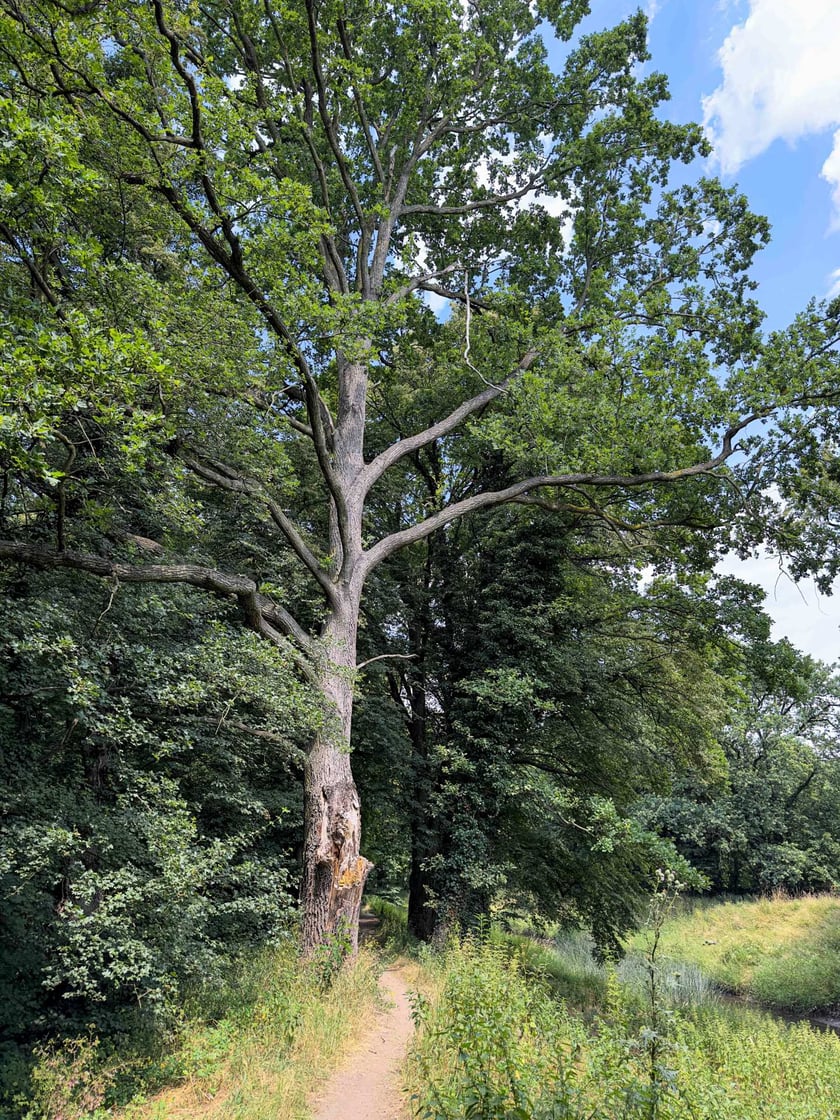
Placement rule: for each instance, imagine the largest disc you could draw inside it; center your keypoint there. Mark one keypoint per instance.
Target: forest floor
(369, 1086)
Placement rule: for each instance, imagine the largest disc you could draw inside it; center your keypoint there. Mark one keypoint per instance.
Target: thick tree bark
(334, 871)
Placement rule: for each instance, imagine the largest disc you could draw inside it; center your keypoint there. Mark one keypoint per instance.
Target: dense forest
(377, 405)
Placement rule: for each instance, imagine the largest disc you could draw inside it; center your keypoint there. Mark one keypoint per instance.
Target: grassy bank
(494, 1042)
(255, 1049)
(782, 952)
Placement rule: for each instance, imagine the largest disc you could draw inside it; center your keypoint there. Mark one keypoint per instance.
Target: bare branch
(323, 111)
(533, 184)
(360, 106)
(377, 467)
(387, 222)
(38, 278)
(183, 72)
(492, 498)
(420, 282)
(456, 296)
(257, 733)
(386, 657)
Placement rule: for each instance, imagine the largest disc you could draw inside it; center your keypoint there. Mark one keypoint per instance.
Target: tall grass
(783, 952)
(253, 1049)
(565, 965)
(495, 1044)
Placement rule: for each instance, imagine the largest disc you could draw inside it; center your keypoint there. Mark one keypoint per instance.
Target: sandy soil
(369, 1087)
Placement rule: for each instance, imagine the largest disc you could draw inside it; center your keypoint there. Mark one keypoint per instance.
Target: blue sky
(763, 76)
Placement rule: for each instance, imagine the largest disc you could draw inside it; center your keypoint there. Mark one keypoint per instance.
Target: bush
(147, 839)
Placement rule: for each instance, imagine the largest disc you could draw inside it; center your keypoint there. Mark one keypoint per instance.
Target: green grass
(782, 952)
(495, 1044)
(392, 934)
(255, 1049)
(564, 964)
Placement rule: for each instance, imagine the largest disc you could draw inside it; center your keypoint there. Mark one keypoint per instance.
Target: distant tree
(773, 821)
(218, 224)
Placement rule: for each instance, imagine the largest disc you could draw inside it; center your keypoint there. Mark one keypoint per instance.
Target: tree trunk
(334, 872)
(422, 918)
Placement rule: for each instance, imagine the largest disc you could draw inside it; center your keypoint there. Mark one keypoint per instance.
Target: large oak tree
(221, 223)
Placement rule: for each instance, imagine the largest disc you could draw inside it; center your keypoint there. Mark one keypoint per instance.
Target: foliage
(218, 226)
(257, 1040)
(566, 965)
(148, 826)
(545, 691)
(774, 824)
(496, 1046)
(392, 932)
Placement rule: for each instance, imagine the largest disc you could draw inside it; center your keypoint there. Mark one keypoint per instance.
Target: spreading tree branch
(263, 615)
(377, 467)
(491, 498)
(534, 183)
(227, 478)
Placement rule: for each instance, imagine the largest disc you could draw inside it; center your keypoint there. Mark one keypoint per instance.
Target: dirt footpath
(369, 1086)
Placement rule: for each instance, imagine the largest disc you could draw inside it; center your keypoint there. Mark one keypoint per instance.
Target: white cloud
(834, 281)
(781, 81)
(810, 621)
(831, 172)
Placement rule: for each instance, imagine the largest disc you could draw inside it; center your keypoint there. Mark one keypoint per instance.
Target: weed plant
(495, 1044)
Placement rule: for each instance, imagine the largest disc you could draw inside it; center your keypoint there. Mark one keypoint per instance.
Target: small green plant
(329, 957)
(481, 1054)
(654, 1039)
(69, 1081)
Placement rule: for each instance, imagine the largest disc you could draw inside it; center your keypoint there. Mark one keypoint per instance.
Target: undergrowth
(253, 1047)
(392, 933)
(494, 1044)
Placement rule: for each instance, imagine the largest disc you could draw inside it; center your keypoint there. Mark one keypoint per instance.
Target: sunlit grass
(255, 1048)
(784, 952)
(274, 1054)
(495, 1042)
